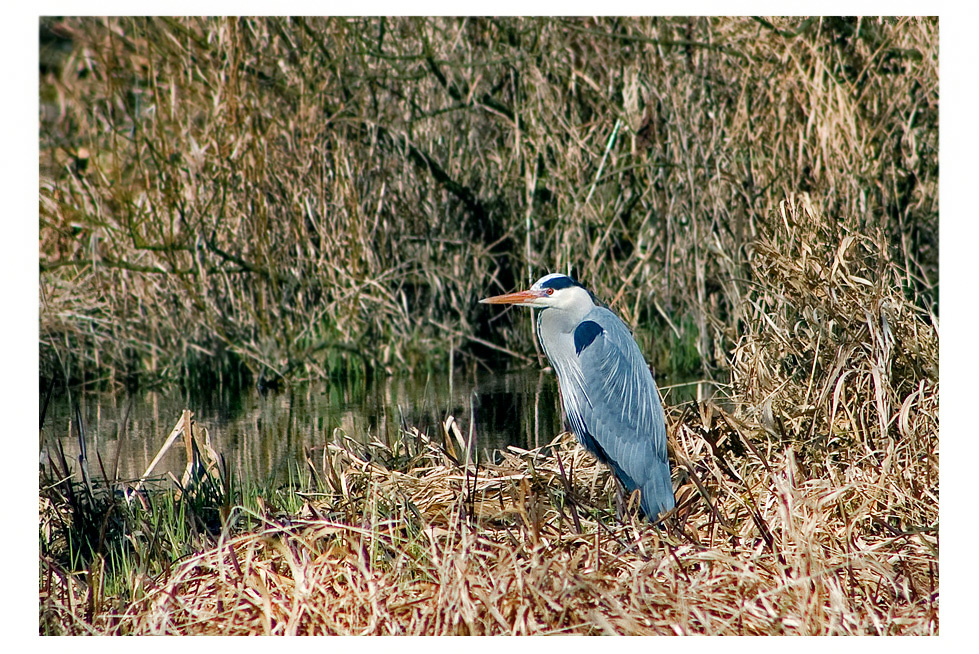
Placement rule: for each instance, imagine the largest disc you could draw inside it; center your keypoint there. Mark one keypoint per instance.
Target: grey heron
(608, 393)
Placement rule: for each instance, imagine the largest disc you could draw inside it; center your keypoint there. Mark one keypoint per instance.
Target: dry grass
(298, 197)
(428, 551)
(308, 197)
(809, 506)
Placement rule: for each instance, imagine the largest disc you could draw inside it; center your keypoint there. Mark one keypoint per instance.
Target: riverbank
(416, 542)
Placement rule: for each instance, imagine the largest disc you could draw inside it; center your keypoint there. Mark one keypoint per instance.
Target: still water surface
(265, 437)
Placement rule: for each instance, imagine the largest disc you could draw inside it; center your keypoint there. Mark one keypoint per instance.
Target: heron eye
(550, 291)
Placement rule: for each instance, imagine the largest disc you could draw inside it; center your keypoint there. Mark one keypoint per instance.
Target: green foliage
(683, 355)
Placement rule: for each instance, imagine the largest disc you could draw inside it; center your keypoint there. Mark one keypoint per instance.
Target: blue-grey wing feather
(620, 411)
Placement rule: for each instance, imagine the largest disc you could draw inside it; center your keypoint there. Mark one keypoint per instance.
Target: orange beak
(520, 297)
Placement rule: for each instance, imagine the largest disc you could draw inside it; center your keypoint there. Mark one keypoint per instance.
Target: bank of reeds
(257, 198)
(294, 197)
(807, 503)
(439, 548)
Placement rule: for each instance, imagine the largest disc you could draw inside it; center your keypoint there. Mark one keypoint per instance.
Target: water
(265, 437)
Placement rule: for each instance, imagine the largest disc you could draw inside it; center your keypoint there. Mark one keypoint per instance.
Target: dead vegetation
(809, 506)
(770, 195)
(436, 549)
(297, 197)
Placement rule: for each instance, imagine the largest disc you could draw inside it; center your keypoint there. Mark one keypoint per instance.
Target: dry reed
(270, 190)
(808, 506)
(297, 197)
(430, 551)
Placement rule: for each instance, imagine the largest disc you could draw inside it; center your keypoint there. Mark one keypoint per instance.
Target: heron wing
(619, 415)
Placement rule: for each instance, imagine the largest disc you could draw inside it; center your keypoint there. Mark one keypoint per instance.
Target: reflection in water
(264, 438)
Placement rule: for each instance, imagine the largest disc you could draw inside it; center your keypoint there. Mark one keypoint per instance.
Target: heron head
(554, 291)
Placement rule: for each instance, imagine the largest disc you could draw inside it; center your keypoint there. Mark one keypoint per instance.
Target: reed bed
(807, 502)
(287, 198)
(436, 549)
(260, 199)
